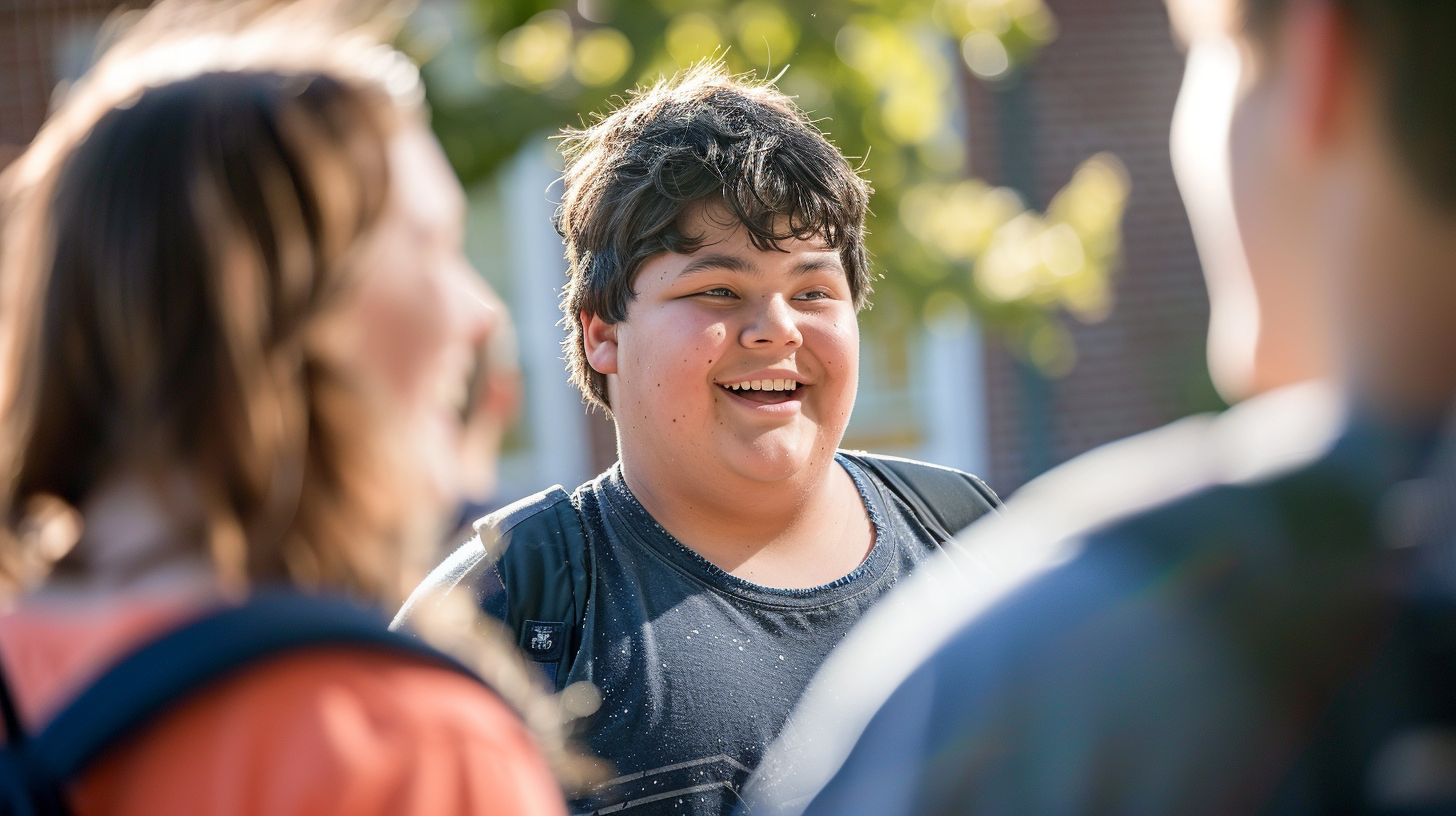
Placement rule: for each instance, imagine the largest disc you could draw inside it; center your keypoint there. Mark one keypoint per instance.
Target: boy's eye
(719, 291)
(815, 294)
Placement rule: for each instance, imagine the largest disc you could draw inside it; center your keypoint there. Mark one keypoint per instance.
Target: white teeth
(765, 385)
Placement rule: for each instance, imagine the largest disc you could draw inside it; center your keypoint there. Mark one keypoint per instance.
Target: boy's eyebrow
(733, 263)
(820, 263)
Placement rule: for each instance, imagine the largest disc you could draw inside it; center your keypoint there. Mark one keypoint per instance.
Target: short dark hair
(704, 136)
(1409, 43)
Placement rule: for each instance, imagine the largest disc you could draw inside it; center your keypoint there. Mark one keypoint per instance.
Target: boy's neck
(802, 532)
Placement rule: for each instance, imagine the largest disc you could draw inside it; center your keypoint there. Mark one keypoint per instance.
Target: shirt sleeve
(334, 731)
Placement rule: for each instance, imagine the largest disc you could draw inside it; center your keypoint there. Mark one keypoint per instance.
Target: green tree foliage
(881, 77)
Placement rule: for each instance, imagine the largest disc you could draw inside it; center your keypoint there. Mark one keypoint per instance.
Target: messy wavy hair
(704, 136)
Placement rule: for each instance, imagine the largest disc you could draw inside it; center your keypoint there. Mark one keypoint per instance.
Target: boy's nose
(773, 325)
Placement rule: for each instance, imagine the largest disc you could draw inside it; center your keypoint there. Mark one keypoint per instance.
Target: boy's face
(732, 360)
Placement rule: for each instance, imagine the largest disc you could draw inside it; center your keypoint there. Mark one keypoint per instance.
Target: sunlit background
(1037, 289)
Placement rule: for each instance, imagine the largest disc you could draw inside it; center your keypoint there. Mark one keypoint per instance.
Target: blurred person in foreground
(238, 329)
(1254, 612)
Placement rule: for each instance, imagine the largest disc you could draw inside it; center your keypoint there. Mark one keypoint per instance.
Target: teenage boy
(716, 266)
(1254, 613)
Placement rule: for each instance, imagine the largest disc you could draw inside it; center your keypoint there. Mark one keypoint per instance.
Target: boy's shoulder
(532, 551)
(528, 566)
(945, 499)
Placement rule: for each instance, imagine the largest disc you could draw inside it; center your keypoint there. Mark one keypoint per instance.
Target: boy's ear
(599, 339)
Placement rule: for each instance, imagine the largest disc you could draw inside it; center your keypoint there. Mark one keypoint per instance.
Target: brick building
(1108, 82)
(42, 42)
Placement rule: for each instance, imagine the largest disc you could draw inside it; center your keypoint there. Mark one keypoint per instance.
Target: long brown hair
(170, 239)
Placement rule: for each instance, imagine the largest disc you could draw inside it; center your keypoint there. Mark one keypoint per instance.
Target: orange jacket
(327, 731)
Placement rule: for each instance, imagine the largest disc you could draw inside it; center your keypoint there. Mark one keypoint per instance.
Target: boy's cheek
(840, 360)
(673, 372)
(659, 338)
(691, 356)
(836, 344)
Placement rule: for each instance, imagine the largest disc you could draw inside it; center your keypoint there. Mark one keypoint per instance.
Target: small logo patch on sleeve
(544, 641)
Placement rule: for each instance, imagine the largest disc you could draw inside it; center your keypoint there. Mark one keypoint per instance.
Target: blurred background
(1039, 292)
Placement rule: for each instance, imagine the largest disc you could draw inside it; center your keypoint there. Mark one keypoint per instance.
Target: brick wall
(33, 36)
(1108, 82)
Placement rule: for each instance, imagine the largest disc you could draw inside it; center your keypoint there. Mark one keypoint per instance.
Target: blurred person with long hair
(1249, 613)
(238, 337)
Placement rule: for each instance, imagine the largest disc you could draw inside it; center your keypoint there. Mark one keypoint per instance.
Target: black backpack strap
(528, 566)
(166, 671)
(15, 735)
(945, 500)
(23, 791)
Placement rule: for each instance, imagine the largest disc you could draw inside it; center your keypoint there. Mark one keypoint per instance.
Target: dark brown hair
(186, 246)
(704, 136)
(1410, 45)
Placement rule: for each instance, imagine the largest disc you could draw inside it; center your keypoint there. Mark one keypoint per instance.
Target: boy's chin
(772, 457)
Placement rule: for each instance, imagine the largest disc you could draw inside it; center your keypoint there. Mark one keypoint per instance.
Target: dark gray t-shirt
(699, 669)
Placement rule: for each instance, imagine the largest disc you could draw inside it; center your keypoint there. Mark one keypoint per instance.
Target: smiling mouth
(764, 392)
